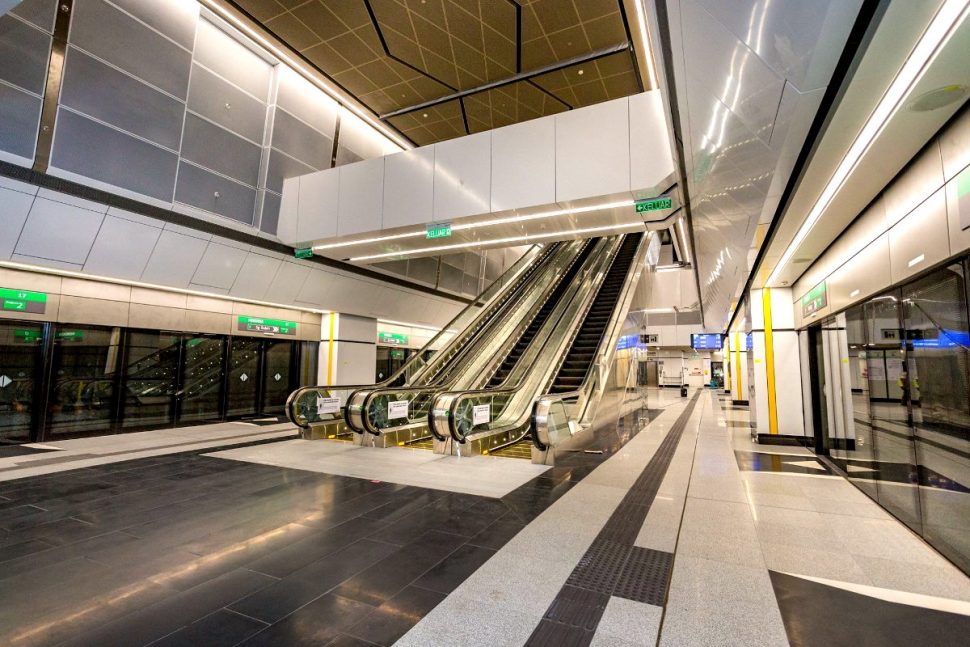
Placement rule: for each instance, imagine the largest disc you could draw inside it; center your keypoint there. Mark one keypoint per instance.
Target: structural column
(348, 350)
(777, 372)
(737, 359)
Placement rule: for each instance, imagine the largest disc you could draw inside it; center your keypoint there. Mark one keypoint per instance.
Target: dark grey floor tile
(310, 582)
(386, 578)
(343, 640)
(12, 551)
(394, 618)
(317, 623)
(176, 611)
(498, 533)
(447, 574)
(220, 629)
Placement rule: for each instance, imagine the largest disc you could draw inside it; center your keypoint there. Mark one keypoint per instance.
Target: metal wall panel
(38, 12)
(269, 220)
(210, 192)
(174, 259)
(923, 177)
(59, 232)
(298, 97)
(24, 51)
(219, 266)
(174, 18)
(920, 240)
(281, 167)
(318, 198)
(122, 248)
(231, 60)
(593, 151)
(218, 100)
(529, 145)
(955, 146)
(19, 121)
(110, 34)
(408, 187)
(90, 149)
(359, 205)
(255, 276)
(14, 207)
(864, 275)
(462, 176)
(118, 99)
(219, 150)
(295, 138)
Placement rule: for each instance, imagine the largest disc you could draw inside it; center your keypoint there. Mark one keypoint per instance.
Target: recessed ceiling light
(425, 115)
(580, 72)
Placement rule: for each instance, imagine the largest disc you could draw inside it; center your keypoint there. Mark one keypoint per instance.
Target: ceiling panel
(404, 53)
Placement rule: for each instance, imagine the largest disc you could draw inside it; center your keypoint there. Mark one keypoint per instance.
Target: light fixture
(669, 268)
(39, 269)
(854, 293)
(656, 311)
(950, 16)
(916, 261)
(647, 54)
(484, 223)
(312, 76)
(496, 241)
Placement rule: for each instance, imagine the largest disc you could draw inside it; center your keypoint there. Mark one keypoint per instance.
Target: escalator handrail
(606, 351)
(512, 280)
(456, 397)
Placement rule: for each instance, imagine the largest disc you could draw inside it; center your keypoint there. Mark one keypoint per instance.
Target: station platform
(673, 529)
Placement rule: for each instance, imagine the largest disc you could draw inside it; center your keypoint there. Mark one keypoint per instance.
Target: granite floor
(671, 515)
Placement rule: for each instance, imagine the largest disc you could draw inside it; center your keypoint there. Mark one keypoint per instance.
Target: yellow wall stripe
(333, 316)
(770, 363)
(737, 364)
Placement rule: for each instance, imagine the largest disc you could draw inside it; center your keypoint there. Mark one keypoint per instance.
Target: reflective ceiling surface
(394, 55)
(749, 78)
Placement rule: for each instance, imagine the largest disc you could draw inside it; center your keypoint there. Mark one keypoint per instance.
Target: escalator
(580, 356)
(323, 411)
(529, 334)
(581, 334)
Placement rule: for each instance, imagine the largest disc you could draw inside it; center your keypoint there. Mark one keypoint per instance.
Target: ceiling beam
(522, 76)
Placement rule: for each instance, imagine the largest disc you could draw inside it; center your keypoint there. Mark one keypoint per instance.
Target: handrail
(449, 403)
(540, 409)
(506, 284)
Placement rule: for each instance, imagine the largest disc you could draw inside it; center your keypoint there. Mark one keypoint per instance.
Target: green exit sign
(306, 252)
(266, 326)
(815, 299)
(656, 204)
(438, 230)
(23, 301)
(392, 338)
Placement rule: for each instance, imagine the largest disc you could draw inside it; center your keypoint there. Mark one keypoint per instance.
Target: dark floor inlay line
(613, 565)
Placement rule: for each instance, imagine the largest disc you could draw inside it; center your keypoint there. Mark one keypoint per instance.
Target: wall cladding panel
(19, 121)
(37, 12)
(59, 232)
(122, 248)
(174, 18)
(90, 149)
(113, 36)
(200, 188)
(231, 60)
(219, 150)
(174, 259)
(223, 103)
(23, 54)
(295, 138)
(118, 99)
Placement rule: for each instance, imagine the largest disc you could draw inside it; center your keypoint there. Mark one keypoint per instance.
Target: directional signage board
(266, 326)
(23, 301)
(656, 204)
(815, 300)
(305, 252)
(712, 341)
(392, 339)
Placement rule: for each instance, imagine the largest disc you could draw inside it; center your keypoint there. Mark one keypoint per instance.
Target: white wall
(589, 152)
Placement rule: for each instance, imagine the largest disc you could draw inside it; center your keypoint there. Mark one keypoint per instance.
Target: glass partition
(20, 353)
(84, 376)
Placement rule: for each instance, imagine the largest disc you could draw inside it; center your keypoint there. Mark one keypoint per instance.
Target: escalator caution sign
(327, 405)
(481, 413)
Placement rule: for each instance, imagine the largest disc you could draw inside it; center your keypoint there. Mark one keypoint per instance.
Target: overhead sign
(649, 339)
(69, 335)
(306, 252)
(266, 326)
(397, 354)
(815, 300)
(23, 301)
(656, 204)
(392, 338)
(707, 341)
(437, 230)
(26, 336)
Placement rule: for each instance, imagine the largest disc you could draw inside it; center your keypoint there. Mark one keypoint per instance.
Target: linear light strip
(484, 223)
(496, 241)
(39, 269)
(314, 78)
(949, 17)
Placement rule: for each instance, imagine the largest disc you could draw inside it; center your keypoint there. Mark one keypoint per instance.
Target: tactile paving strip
(613, 565)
